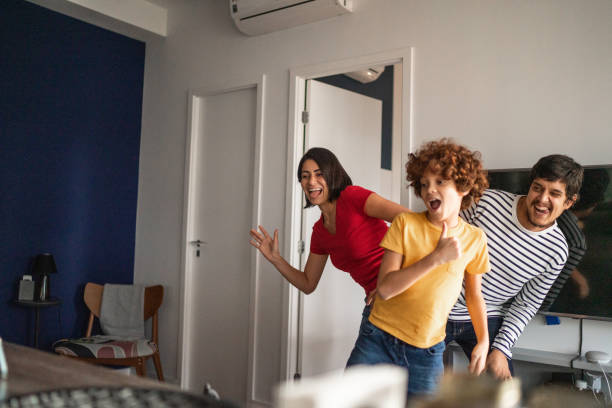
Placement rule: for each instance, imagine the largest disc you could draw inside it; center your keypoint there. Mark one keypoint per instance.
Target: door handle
(197, 243)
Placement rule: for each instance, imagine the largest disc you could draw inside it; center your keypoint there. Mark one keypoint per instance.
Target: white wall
(513, 79)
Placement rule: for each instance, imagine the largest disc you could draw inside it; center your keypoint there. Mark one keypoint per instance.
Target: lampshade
(44, 264)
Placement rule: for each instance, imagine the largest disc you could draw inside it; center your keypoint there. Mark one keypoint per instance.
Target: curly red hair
(452, 162)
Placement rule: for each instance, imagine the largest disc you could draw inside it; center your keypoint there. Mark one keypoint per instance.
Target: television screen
(585, 290)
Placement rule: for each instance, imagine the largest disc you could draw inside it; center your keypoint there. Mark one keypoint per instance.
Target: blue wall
(70, 111)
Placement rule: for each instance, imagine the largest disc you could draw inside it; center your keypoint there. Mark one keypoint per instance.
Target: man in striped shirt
(527, 251)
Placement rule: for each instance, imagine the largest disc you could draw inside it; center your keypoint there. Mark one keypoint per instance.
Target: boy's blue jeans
(463, 333)
(375, 346)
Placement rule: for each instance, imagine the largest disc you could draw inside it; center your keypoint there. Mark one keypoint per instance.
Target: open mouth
(541, 210)
(315, 192)
(435, 204)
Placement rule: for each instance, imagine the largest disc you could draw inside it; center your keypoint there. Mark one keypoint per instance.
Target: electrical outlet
(593, 381)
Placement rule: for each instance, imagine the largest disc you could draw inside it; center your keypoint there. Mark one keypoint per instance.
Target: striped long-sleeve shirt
(524, 265)
(576, 241)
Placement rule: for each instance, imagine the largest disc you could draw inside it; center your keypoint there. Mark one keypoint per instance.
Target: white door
(348, 124)
(216, 340)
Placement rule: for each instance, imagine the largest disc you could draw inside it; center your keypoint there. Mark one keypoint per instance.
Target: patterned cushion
(105, 347)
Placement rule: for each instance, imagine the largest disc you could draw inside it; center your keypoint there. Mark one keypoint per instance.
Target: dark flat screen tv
(587, 290)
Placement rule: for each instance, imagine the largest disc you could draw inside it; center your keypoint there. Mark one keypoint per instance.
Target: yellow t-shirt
(418, 315)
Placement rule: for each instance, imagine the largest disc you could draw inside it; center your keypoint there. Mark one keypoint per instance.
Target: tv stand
(583, 364)
(544, 357)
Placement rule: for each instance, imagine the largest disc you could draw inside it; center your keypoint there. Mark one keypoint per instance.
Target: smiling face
(441, 198)
(313, 183)
(545, 201)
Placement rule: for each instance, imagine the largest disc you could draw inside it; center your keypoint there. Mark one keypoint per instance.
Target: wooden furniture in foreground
(38, 379)
(152, 301)
(31, 371)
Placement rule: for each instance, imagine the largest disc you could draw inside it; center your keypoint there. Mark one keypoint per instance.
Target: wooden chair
(95, 349)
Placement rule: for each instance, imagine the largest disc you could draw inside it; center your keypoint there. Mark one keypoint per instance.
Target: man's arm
(522, 309)
(497, 365)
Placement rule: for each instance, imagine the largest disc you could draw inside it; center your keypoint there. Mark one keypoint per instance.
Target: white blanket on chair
(122, 310)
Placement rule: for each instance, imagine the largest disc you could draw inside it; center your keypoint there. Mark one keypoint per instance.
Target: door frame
(290, 331)
(194, 98)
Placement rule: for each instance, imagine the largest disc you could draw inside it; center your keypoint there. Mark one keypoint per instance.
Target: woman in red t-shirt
(349, 230)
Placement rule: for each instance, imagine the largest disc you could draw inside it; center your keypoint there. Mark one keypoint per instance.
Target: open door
(319, 330)
(348, 124)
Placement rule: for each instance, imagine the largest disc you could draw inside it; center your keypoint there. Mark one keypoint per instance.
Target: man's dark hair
(334, 174)
(559, 167)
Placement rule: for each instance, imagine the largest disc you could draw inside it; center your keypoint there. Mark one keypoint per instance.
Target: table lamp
(43, 266)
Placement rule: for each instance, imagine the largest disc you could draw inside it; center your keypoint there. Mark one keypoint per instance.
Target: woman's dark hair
(334, 174)
(559, 167)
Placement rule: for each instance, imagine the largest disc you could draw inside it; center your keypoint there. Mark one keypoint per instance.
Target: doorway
(322, 327)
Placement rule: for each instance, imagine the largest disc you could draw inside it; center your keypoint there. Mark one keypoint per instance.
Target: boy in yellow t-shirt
(422, 270)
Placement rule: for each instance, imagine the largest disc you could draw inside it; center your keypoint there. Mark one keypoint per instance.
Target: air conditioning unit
(254, 17)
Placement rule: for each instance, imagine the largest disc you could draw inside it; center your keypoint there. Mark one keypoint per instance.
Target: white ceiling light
(366, 75)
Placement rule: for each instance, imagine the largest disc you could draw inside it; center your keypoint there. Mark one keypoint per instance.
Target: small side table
(37, 304)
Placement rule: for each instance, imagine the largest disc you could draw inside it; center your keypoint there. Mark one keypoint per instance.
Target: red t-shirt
(354, 248)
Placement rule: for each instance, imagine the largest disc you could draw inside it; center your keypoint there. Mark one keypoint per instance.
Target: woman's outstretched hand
(267, 245)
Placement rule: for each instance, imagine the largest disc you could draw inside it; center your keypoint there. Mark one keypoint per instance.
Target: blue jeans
(463, 333)
(375, 346)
